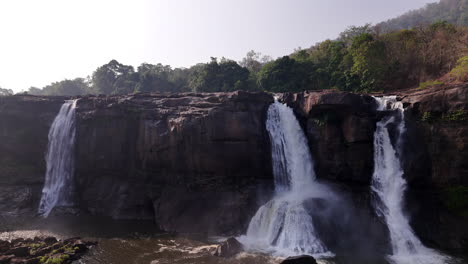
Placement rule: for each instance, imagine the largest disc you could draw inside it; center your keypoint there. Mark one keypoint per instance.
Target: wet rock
(4, 246)
(32, 261)
(229, 248)
(19, 251)
(339, 127)
(39, 250)
(304, 259)
(6, 259)
(50, 240)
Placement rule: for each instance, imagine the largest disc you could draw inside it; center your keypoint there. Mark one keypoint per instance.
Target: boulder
(229, 248)
(6, 259)
(304, 259)
(19, 251)
(4, 246)
(50, 240)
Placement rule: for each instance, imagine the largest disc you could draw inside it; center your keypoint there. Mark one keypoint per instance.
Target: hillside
(452, 11)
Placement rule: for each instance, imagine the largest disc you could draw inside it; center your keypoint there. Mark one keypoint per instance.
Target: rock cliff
(191, 162)
(201, 162)
(24, 126)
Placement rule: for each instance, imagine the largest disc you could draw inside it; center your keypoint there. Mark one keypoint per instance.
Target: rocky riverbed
(41, 250)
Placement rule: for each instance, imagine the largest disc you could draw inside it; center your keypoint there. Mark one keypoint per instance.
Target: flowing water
(283, 226)
(58, 187)
(389, 186)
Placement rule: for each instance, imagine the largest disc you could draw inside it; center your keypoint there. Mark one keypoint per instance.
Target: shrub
(455, 116)
(460, 72)
(428, 84)
(427, 117)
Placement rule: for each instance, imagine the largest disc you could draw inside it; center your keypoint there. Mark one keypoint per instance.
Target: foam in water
(283, 226)
(60, 163)
(389, 186)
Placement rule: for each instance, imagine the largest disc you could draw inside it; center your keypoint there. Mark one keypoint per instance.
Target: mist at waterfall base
(389, 187)
(306, 216)
(58, 187)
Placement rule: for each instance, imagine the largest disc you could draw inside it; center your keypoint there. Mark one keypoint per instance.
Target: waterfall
(283, 226)
(58, 187)
(389, 187)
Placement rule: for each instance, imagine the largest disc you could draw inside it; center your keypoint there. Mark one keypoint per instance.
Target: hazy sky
(50, 40)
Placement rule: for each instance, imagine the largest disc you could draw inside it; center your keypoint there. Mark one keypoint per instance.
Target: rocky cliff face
(340, 129)
(201, 162)
(191, 162)
(24, 126)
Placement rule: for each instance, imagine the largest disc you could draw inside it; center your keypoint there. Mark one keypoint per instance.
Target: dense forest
(412, 51)
(452, 11)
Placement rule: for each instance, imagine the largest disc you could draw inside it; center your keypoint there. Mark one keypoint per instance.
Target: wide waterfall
(389, 187)
(283, 226)
(58, 187)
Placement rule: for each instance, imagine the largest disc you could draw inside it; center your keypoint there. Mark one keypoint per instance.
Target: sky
(51, 40)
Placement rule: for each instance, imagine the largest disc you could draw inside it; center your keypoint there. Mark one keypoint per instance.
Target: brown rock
(228, 248)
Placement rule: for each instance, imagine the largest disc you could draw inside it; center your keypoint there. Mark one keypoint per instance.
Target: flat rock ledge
(42, 250)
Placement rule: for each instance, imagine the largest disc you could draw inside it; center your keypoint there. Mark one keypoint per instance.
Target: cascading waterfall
(58, 187)
(389, 186)
(283, 226)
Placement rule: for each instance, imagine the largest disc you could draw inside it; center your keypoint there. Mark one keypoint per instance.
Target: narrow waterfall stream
(283, 226)
(58, 186)
(389, 186)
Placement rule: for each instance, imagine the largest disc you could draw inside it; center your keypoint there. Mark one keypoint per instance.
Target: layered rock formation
(191, 162)
(24, 126)
(201, 162)
(340, 129)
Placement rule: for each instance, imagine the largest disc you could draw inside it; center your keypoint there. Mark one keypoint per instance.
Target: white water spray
(58, 187)
(389, 186)
(283, 226)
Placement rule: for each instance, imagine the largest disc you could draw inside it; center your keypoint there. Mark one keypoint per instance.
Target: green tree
(286, 75)
(78, 86)
(369, 62)
(114, 78)
(223, 76)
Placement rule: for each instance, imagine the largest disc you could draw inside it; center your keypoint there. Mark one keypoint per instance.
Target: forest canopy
(415, 48)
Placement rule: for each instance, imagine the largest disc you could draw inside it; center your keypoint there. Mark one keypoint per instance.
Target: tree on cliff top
(114, 78)
(5, 92)
(223, 76)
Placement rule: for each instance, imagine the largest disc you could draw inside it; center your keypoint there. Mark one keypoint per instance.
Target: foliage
(455, 116)
(456, 200)
(56, 259)
(409, 51)
(369, 61)
(427, 84)
(78, 86)
(5, 92)
(427, 117)
(224, 76)
(451, 116)
(286, 75)
(460, 72)
(114, 78)
(452, 11)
